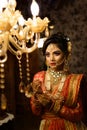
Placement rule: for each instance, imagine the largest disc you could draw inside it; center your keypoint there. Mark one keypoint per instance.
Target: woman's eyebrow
(57, 51)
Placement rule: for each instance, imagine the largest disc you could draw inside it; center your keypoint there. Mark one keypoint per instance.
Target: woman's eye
(57, 53)
(47, 54)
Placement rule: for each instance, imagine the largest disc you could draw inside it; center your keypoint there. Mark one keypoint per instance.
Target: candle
(3, 4)
(34, 8)
(21, 21)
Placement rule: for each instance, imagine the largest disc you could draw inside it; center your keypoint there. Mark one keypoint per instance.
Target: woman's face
(54, 57)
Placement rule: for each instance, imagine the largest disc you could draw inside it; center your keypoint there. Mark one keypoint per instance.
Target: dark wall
(66, 16)
(69, 17)
(72, 20)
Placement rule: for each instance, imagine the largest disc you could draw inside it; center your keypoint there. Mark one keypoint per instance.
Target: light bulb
(3, 4)
(34, 8)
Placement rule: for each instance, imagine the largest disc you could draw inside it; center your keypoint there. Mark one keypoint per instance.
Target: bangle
(51, 106)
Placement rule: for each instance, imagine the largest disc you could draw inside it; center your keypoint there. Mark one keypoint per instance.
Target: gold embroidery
(73, 87)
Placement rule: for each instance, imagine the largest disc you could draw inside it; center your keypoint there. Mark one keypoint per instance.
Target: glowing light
(34, 8)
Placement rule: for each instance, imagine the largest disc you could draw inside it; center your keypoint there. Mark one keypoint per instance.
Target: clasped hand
(46, 99)
(43, 98)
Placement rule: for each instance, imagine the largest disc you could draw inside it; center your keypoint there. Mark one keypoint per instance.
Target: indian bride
(58, 95)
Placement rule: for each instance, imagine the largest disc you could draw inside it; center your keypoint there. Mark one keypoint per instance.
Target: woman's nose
(51, 57)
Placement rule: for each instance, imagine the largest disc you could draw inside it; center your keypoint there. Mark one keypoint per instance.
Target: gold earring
(66, 66)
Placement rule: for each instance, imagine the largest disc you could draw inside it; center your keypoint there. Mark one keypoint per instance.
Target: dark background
(67, 16)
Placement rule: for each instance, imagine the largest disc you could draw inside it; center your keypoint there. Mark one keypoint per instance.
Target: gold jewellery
(53, 77)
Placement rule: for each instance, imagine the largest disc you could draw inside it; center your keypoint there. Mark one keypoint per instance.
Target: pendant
(21, 87)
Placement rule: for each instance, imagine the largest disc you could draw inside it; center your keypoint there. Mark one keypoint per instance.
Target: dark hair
(59, 39)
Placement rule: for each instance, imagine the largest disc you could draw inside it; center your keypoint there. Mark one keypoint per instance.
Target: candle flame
(34, 8)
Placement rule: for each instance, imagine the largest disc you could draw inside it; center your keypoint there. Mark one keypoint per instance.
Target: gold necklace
(55, 76)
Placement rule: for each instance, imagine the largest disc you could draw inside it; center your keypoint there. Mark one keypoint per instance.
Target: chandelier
(19, 36)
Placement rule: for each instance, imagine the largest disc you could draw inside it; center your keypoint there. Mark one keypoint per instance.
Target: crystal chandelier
(19, 36)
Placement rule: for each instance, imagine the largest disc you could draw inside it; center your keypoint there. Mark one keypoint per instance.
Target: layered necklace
(56, 75)
(53, 77)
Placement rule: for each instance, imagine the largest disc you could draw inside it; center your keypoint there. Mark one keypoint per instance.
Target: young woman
(58, 95)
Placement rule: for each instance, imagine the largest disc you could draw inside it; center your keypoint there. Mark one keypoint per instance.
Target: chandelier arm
(27, 50)
(4, 58)
(23, 50)
(12, 50)
(31, 49)
(35, 45)
(14, 43)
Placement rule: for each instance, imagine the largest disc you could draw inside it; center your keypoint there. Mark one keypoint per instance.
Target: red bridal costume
(71, 115)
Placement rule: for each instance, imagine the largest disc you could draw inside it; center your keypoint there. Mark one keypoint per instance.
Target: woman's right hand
(44, 99)
(36, 86)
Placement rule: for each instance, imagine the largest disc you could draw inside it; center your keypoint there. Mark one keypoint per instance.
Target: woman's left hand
(44, 99)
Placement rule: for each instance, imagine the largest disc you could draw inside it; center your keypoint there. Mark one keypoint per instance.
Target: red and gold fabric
(71, 113)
